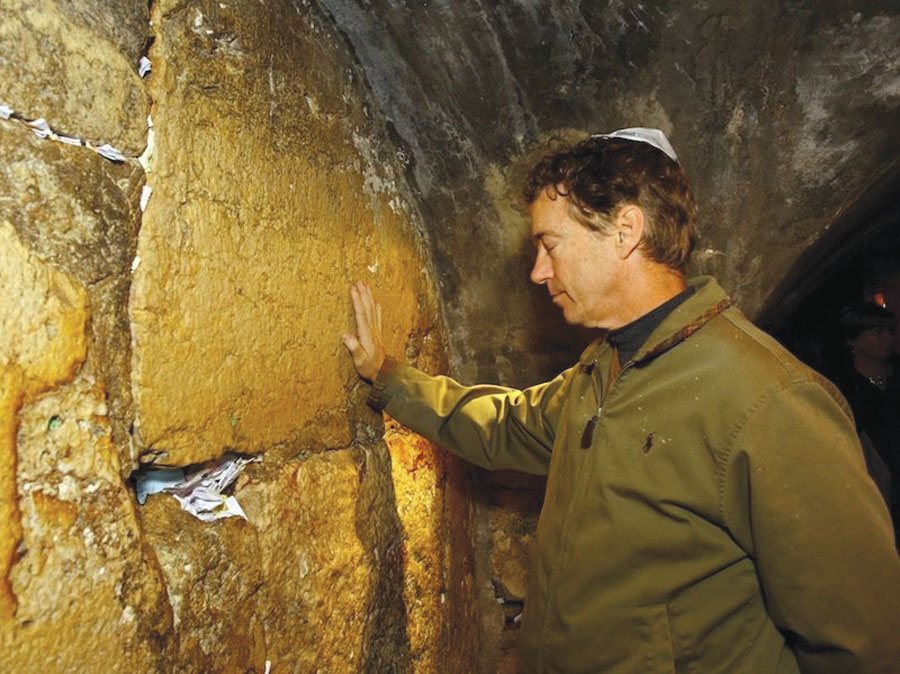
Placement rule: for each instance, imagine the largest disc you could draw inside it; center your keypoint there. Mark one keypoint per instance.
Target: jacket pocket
(660, 653)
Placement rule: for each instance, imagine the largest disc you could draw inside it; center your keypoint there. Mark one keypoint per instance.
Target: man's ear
(629, 229)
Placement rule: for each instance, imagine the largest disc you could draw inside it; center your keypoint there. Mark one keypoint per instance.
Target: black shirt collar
(629, 338)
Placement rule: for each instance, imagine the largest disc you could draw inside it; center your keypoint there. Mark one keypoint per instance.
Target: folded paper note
(200, 490)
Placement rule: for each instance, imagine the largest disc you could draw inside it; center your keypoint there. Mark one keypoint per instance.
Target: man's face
(874, 343)
(579, 266)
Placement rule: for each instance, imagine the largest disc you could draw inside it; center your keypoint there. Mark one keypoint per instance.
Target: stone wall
(188, 299)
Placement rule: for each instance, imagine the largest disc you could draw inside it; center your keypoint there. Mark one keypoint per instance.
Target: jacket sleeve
(799, 500)
(491, 426)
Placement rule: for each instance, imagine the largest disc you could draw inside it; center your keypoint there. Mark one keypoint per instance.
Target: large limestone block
(75, 65)
(213, 576)
(80, 213)
(43, 314)
(318, 523)
(335, 571)
(270, 197)
(78, 591)
(417, 471)
(89, 596)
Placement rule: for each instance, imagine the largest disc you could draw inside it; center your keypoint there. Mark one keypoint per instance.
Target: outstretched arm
(367, 346)
(491, 426)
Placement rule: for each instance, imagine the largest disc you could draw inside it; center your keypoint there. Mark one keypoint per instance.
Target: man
(871, 386)
(707, 509)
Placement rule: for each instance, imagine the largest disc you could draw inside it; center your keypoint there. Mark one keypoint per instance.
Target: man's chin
(570, 313)
(571, 317)
(577, 319)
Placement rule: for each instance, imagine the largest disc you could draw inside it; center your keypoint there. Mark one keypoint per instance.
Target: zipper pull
(587, 438)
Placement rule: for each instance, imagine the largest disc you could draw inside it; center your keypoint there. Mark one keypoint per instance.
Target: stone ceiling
(782, 112)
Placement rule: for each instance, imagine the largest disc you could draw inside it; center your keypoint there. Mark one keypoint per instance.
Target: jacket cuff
(378, 396)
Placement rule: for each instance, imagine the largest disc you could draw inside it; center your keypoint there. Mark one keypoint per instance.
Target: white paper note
(108, 151)
(199, 491)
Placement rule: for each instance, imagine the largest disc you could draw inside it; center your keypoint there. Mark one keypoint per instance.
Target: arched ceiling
(781, 112)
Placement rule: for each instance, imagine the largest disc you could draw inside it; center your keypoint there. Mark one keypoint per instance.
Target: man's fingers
(368, 302)
(363, 322)
(358, 293)
(368, 315)
(365, 345)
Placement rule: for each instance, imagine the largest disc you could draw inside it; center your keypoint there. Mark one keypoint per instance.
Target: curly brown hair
(599, 174)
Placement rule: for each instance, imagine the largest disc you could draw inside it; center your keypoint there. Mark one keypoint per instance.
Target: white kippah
(653, 137)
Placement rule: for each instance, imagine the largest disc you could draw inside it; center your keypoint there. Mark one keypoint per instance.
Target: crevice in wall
(40, 128)
(385, 642)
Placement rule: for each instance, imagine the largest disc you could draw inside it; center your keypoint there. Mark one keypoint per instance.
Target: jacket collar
(707, 301)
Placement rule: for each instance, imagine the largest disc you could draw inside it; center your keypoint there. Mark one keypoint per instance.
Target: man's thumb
(351, 342)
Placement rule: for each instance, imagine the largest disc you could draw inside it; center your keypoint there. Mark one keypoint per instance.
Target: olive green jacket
(721, 519)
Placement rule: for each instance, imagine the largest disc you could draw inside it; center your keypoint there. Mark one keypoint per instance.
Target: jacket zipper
(587, 436)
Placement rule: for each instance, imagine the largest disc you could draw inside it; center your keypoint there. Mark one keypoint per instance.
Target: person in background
(707, 508)
(871, 384)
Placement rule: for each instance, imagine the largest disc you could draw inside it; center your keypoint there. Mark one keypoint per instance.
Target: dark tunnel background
(856, 260)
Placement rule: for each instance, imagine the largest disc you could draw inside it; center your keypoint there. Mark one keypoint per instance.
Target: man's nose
(542, 271)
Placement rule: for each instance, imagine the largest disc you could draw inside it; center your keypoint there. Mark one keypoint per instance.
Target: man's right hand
(366, 347)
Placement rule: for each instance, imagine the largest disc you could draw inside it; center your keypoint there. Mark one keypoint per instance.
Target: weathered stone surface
(326, 538)
(340, 567)
(212, 577)
(42, 316)
(790, 149)
(417, 472)
(75, 65)
(272, 191)
(273, 188)
(80, 213)
(72, 565)
(89, 597)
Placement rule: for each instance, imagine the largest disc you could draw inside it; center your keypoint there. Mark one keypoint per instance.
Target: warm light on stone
(262, 214)
(186, 297)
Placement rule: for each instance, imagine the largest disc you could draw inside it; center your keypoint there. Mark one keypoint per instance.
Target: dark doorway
(856, 260)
